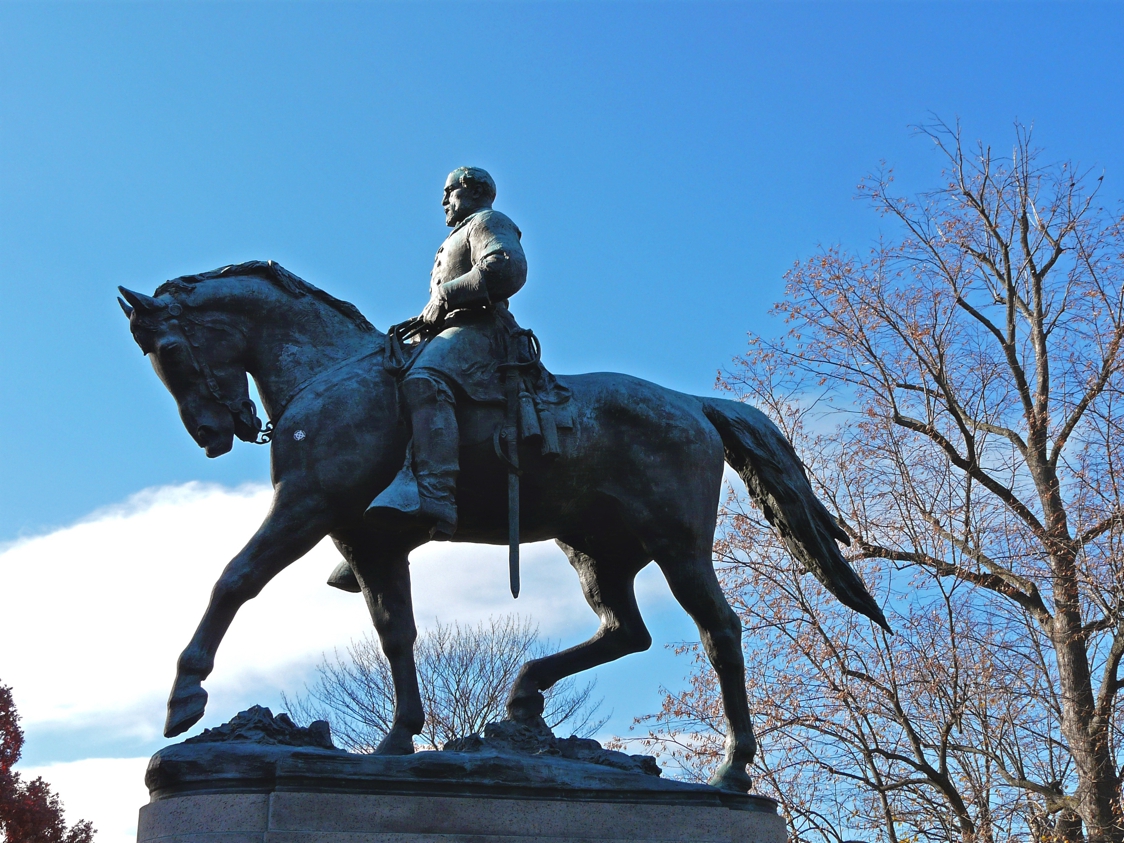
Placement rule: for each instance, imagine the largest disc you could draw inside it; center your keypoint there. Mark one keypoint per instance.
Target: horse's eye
(174, 356)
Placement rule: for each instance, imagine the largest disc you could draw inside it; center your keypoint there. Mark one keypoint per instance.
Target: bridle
(243, 409)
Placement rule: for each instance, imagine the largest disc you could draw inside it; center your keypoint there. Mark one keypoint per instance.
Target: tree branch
(1032, 601)
(973, 469)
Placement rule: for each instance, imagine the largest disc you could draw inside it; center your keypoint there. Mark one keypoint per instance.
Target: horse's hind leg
(696, 587)
(384, 577)
(608, 588)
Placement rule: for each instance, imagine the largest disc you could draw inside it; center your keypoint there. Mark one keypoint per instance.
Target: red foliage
(29, 813)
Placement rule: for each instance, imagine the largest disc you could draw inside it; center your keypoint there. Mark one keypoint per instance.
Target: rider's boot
(424, 491)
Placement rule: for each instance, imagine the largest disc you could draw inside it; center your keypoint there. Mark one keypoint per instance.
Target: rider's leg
(431, 407)
(433, 420)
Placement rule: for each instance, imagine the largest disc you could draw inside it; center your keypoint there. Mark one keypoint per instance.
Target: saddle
(531, 398)
(536, 406)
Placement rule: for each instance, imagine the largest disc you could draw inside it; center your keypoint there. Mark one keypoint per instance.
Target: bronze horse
(638, 480)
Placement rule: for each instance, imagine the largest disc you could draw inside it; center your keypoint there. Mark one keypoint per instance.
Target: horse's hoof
(526, 708)
(395, 743)
(534, 728)
(732, 778)
(184, 712)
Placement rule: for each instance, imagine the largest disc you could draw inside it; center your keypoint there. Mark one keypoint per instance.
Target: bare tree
(976, 363)
(866, 734)
(464, 674)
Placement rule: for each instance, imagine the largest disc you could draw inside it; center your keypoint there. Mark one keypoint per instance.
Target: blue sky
(667, 162)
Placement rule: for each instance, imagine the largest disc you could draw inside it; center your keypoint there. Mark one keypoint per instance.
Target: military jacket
(481, 262)
(477, 269)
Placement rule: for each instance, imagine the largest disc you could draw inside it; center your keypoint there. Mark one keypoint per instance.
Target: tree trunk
(1097, 785)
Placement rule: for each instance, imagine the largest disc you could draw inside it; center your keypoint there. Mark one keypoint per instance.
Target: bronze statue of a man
(477, 269)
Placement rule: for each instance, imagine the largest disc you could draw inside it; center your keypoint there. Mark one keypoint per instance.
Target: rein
(238, 409)
(264, 434)
(307, 382)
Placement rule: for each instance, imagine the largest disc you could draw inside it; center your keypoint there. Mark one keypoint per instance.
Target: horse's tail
(774, 475)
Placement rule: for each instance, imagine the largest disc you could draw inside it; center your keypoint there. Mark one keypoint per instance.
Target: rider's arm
(499, 267)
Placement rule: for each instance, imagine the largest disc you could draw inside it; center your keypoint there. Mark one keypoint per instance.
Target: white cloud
(106, 791)
(105, 606)
(102, 609)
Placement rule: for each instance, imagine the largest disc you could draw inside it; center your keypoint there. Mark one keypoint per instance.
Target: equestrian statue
(447, 427)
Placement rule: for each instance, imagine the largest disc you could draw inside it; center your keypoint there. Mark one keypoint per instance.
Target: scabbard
(513, 532)
(512, 378)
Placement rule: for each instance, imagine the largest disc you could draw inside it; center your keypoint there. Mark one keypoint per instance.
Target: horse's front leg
(296, 522)
(384, 576)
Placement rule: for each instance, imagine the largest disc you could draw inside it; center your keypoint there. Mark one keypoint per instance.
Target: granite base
(296, 817)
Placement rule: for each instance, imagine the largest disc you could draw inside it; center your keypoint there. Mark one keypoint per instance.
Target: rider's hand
(434, 311)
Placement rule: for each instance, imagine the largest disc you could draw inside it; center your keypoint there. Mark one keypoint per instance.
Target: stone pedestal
(259, 779)
(307, 817)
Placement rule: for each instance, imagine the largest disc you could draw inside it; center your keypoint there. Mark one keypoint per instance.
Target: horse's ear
(140, 301)
(125, 307)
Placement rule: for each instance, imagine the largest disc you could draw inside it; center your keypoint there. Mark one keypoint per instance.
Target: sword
(513, 381)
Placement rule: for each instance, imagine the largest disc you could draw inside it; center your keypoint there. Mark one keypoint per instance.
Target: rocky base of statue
(263, 777)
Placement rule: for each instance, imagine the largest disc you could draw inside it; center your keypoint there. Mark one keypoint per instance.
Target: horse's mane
(278, 276)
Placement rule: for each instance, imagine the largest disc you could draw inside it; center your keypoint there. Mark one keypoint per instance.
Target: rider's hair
(470, 176)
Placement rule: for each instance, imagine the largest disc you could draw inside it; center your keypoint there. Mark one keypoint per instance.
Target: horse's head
(197, 355)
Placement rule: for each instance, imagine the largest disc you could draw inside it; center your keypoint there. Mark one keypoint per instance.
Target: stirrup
(401, 505)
